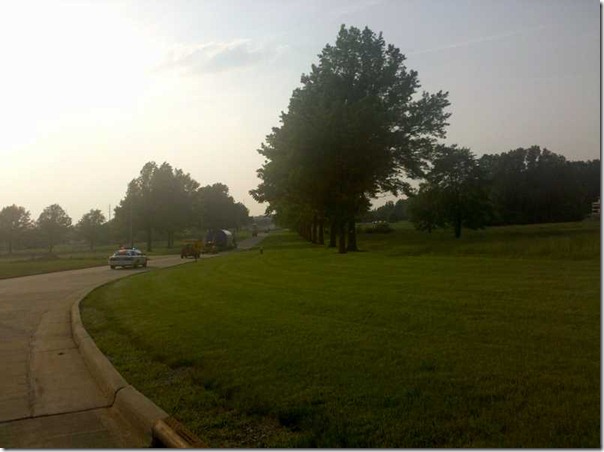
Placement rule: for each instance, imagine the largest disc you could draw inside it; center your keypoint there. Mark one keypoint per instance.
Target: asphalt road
(48, 399)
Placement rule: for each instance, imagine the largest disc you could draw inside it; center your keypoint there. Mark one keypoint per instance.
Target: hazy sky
(92, 90)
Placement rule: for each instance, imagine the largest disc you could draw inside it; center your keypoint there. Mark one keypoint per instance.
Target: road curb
(151, 423)
(132, 405)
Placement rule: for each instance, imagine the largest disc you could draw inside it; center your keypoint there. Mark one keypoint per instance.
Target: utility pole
(131, 235)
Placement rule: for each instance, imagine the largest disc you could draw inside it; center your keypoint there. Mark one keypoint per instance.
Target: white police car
(129, 257)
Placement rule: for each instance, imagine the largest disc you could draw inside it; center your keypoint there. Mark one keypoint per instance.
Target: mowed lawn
(421, 341)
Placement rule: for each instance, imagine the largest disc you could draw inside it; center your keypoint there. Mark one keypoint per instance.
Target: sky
(92, 90)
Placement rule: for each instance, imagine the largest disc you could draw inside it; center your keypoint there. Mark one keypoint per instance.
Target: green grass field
(421, 341)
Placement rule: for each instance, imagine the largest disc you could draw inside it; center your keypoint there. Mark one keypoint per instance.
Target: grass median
(422, 341)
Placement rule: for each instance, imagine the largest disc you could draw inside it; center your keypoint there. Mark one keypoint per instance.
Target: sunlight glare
(62, 58)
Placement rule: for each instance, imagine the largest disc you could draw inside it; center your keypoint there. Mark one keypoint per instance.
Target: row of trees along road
(161, 200)
(354, 129)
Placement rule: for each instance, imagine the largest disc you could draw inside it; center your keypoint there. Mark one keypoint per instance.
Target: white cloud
(213, 57)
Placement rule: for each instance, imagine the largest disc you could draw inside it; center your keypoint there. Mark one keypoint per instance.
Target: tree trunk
(342, 237)
(458, 227)
(314, 232)
(333, 230)
(352, 236)
(321, 232)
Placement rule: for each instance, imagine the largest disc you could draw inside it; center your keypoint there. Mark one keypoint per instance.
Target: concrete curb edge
(137, 409)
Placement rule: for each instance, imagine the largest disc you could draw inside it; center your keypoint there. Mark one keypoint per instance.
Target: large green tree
(455, 193)
(90, 225)
(53, 223)
(355, 128)
(241, 215)
(138, 210)
(161, 198)
(425, 209)
(174, 192)
(14, 220)
(218, 209)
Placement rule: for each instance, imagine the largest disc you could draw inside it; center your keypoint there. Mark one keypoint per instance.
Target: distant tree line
(391, 212)
(522, 186)
(536, 185)
(17, 229)
(160, 202)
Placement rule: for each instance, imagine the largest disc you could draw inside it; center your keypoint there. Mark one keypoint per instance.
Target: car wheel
(112, 267)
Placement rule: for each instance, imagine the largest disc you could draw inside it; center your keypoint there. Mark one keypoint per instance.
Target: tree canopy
(160, 198)
(218, 209)
(355, 128)
(89, 226)
(455, 192)
(14, 221)
(167, 200)
(535, 185)
(53, 223)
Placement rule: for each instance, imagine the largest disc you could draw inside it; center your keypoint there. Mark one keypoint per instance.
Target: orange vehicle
(191, 248)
